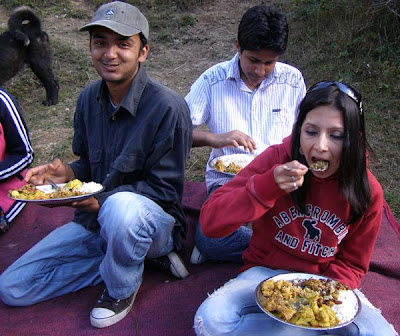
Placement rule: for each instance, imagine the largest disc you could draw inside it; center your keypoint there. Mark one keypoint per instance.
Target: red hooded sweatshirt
(318, 242)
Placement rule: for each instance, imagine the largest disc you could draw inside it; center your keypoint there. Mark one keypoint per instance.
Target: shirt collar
(234, 72)
(132, 97)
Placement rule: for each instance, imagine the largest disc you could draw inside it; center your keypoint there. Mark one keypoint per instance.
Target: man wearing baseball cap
(133, 136)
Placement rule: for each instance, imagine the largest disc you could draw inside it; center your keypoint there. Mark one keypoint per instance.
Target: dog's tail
(24, 20)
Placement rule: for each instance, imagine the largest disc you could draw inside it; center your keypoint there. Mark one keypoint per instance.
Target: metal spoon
(318, 169)
(53, 184)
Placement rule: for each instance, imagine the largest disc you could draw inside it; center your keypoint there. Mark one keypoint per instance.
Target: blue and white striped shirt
(221, 100)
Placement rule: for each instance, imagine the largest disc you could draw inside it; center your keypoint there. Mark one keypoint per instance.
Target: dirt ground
(177, 64)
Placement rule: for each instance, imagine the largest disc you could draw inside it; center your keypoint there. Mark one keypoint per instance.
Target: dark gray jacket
(140, 147)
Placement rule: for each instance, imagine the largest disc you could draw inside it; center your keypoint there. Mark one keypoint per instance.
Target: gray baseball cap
(120, 17)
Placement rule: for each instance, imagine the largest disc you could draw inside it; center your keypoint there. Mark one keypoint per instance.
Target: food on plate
(231, 163)
(232, 167)
(314, 303)
(73, 185)
(70, 189)
(319, 165)
(28, 191)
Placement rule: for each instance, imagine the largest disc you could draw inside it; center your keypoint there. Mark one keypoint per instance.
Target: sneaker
(196, 257)
(108, 311)
(170, 263)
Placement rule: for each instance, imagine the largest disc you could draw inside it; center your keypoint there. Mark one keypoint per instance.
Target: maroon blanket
(164, 305)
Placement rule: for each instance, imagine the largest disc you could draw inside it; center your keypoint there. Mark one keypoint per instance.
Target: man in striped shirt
(247, 104)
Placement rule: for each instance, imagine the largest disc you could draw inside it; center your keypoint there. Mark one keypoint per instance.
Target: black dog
(26, 43)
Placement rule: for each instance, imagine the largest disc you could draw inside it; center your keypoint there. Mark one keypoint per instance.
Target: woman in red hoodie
(323, 222)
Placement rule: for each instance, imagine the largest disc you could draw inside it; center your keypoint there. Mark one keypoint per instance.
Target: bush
(359, 26)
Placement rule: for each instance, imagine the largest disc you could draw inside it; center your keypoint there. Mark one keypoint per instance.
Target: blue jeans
(232, 310)
(132, 227)
(229, 248)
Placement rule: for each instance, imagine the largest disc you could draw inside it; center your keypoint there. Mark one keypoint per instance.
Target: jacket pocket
(126, 163)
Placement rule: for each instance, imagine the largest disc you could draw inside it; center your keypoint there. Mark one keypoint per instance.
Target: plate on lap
(308, 301)
(47, 195)
(231, 164)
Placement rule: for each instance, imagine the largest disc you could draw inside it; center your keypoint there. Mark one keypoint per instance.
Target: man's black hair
(263, 27)
(143, 40)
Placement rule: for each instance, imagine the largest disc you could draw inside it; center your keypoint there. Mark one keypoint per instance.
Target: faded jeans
(232, 310)
(229, 248)
(132, 227)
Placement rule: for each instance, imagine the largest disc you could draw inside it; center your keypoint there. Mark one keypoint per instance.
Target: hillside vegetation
(354, 41)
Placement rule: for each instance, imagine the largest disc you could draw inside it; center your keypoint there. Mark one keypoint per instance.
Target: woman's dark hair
(263, 27)
(352, 172)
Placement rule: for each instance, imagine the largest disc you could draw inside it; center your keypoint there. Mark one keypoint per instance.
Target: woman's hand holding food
(290, 176)
(56, 170)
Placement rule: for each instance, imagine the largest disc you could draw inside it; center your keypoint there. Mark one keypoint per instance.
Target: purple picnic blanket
(164, 305)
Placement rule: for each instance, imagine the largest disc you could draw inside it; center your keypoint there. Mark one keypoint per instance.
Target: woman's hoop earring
(301, 151)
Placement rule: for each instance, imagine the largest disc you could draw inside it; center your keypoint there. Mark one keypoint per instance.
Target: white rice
(348, 308)
(90, 187)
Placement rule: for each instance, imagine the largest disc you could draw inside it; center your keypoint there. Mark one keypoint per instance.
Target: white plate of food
(308, 301)
(231, 164)
(46, 194)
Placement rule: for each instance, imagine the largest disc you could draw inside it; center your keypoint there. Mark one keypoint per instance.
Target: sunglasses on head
(350, 92)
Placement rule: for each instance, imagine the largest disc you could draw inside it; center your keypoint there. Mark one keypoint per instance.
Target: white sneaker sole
(178, 269)
(108, 321)
(197, 258)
